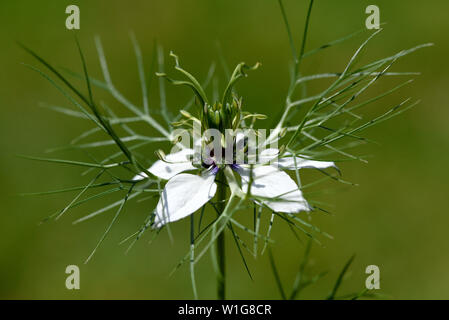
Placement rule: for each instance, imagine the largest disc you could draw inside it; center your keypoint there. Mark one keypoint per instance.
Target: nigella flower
(262, 180)
(185, 193)
(195, 176)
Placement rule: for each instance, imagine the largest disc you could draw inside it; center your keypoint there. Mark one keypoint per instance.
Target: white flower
(185, 193)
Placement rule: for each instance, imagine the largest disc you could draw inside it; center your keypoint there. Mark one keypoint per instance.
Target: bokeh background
(397, 218)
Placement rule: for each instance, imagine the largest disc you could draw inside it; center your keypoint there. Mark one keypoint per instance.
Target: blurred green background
(397, 218)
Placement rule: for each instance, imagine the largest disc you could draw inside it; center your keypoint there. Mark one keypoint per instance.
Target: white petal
(239, 138)
(268, 155)
(269, 182)
(182, 196)
(174, 163)
(288, 163)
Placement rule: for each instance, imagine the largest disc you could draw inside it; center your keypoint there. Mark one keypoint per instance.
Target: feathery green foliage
(325, 125)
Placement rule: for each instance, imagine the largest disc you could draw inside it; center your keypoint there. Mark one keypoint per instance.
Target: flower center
(215, 161)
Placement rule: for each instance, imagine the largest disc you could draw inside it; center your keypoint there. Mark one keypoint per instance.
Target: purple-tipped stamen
(235, 166)
(214, 169)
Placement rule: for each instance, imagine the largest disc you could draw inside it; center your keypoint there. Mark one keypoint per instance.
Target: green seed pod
(222, 116)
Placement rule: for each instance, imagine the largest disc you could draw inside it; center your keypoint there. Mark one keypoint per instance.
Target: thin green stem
(221, 259)
(304, 39)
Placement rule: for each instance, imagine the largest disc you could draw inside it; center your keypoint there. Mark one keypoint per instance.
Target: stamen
(215, 169)
(235, 166)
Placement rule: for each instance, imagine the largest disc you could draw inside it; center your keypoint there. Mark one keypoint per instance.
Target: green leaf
(340, 278)
(276, 275)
